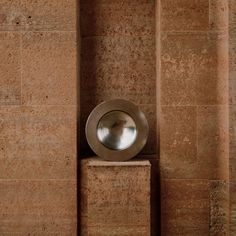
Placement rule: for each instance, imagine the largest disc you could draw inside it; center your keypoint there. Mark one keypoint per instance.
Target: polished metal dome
(116, 130)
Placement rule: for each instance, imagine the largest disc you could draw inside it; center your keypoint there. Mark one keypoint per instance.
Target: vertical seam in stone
(158, 70)
(21, 67)
(209, 14)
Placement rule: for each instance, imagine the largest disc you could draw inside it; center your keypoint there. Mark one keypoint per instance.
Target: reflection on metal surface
(116, 130)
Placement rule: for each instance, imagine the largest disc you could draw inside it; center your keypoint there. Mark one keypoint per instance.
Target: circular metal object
(116, 130)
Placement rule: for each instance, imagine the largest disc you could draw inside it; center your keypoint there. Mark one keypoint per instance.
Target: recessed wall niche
(118, 59)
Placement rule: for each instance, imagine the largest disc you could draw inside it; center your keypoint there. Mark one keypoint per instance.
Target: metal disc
(116, 130)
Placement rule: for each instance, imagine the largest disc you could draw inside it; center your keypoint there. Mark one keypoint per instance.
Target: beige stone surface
(213, 141)
(109, 18)
(178, 142)
(185, 207)
(125, 78)
(232, 113)
(10, 70)
(219, 208)
(232, 208)
(232, 143)
(49, 71)
(38, 79)
(119, 231)
(10, 15)
(38, 207)
(218, 14)
(117, 49)
(38, 142)
(189, 69)
(184, 15)
(49, 15)
(117, 197)
(232, 16)
(232, 69)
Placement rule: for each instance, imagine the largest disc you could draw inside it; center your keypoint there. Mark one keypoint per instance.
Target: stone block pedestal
(115, 198)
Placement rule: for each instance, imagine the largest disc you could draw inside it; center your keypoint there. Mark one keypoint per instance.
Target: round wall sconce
(116, 130)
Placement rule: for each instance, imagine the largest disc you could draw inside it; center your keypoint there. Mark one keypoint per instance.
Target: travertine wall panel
(40, 15)
(218, 14)
(39, 142)
(194, 126)
(219, 204)
(178, 142)
(10, 59)
(232, 208)
(190, 74)
(110, 18)
(49, 68)
(178, 15)
(185, 207)
(35, 206)
(232, 113)
(38, 117)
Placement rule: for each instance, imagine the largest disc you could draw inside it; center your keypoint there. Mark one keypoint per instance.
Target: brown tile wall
(38, 117)
(38, 74)
(194, 130)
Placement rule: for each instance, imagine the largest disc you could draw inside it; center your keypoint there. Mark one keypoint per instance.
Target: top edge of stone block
(96, 161)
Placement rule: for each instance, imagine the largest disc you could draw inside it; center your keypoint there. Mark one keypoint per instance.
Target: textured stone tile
(119, 18)
(218, 14)
(178, 69)
(98, 50)
(185, 207)
(219, 208)
(232, 69)
(178, 141)
(212, 87)
(190, 73)
(39, 234)
(232, 130)
(118, 202)
(10, 15)
(150, 112)
(10, 74)
(213, 141)
(232, 143)
(232, 16)
(232, 208)
(38, 207)
(38, 142)
(119, 231)
(49, 68)
(117, 2)
(83, 195)
(177, 15)
(232, 168)
(49, 15)
(133, 80)
(155, 194)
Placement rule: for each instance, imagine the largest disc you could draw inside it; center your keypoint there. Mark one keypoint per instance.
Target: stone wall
(38, 80)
